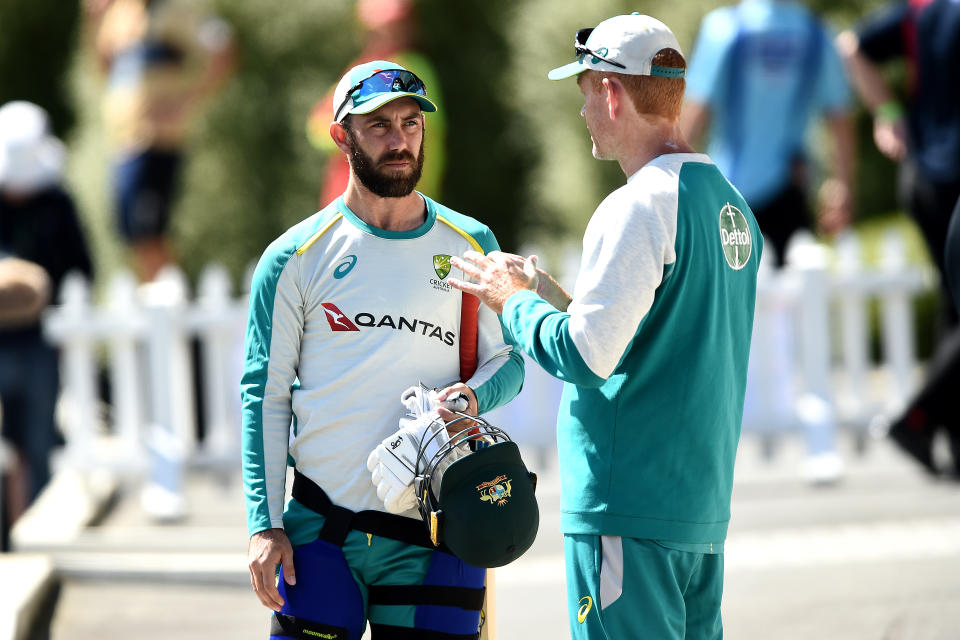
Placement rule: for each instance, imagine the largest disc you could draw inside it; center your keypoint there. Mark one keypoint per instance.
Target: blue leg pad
(325, 596)
(447, 571)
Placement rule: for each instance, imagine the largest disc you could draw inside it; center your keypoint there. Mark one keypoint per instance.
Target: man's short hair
(652, 95)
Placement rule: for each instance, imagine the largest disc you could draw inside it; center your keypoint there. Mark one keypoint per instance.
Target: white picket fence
(143, 337)
(810, 364)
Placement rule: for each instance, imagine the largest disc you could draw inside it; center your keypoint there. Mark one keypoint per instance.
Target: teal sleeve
(266, 414)
(541, 331)
(504, 385)
(252, 391)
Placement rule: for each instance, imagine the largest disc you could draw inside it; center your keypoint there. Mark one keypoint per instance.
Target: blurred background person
(953, 256)
(924, 137)
(390, 33)
(24, 291)
(763, 72)
(161, 59)
(38, 224)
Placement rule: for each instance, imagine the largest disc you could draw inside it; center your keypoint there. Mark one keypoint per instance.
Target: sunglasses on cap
(390, 80)
(580, 46)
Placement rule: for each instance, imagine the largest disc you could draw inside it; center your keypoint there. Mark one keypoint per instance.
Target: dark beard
(378, 182)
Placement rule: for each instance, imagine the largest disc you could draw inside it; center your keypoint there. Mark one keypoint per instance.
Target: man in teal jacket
(653, 345)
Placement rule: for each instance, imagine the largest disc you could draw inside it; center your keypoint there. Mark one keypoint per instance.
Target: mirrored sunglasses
(580, 46)
(388, 81)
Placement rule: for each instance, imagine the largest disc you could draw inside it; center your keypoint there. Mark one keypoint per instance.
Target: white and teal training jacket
(654, 351)
(343, 318)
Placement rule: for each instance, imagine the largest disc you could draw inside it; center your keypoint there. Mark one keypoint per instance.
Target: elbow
(579, 373)
(590, 381)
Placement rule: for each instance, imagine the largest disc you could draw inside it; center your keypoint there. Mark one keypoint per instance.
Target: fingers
(467, 392)
(457, 423)
(255, 582)
(264, 585)
(469, 287)
(289, 573)
(267, 550)
(269, 594)
(509, 258)
(468, 268)
(472, 256)
(530, 267)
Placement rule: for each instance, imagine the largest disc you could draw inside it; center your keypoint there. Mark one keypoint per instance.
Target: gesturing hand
(497, 276)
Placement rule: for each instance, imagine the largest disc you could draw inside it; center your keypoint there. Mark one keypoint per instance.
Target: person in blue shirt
(763, 72)
(652, 345)
(924, 136)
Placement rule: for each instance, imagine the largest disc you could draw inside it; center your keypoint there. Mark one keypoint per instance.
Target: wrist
(889, 111)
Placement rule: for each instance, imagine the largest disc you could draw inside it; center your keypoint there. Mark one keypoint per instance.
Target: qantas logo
(337, 319)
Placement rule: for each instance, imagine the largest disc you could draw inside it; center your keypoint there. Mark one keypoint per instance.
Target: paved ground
(875, 557)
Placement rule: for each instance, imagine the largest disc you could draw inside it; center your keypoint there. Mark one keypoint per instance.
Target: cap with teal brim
(367, 87)
(622, 44)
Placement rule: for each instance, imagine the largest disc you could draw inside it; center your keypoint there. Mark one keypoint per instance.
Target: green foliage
(518, 153)
(252, 173)
(489, 154)
(566, 184)
(36, 45)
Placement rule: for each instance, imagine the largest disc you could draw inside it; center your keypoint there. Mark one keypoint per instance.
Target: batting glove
(393, 463)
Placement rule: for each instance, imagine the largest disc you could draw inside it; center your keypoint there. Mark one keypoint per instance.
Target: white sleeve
(627, 247)
(491, 348)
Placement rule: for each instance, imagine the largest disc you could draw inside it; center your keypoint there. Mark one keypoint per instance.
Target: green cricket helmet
(482, 505)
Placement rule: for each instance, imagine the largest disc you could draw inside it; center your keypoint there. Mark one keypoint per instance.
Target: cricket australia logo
(441, 266)
(735, 237)
(495, 491)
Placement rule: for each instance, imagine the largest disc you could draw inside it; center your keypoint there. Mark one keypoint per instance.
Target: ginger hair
(651, 95)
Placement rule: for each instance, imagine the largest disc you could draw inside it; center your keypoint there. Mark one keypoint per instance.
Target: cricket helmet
(481, 505)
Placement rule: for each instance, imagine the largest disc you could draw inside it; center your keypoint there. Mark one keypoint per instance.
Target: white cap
(631, 41)
(31, 158)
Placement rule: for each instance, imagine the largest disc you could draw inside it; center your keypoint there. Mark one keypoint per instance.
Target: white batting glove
(393, 463)
(396, 496)
(421, 400)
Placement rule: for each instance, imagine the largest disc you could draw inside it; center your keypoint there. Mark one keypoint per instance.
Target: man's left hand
(446, 415)
(497, 276)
